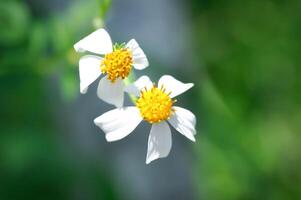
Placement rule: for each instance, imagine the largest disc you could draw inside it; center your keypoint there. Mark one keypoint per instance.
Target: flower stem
(130, 79)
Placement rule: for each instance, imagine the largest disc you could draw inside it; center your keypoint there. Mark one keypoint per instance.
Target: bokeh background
(243, 56)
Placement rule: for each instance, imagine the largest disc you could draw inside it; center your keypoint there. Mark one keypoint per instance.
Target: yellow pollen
(155, 105)
(117, 64)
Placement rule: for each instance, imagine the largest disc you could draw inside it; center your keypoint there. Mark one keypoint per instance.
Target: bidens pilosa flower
(154, 104)
(117, 64)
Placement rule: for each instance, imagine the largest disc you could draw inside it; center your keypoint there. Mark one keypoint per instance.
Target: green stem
(130, 79)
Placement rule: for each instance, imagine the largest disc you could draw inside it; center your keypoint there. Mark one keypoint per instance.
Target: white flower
(154, 105)
(116, 63)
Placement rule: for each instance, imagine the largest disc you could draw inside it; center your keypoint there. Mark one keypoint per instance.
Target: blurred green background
(243, 56)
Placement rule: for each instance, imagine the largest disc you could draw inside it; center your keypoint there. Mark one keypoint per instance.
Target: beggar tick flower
(154, 105)
(116, 64)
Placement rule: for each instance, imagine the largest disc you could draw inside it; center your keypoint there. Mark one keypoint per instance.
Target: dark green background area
(245, 66)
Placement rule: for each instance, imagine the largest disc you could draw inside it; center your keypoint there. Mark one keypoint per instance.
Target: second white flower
(156, 106)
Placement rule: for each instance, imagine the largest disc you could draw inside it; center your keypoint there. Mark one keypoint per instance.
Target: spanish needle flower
(156, 106)
(117, 64)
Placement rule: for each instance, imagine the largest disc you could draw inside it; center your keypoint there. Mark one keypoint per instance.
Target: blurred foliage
(36, 43)
(41, 42)
(32, 167)
(250, 99)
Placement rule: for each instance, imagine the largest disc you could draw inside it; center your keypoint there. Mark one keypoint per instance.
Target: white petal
(138, 85)
(184, 121)
(111, 93)
(89, 71)
(173, 85)
(159, 142)
(118, 123)
(98, 42)
(139, 58)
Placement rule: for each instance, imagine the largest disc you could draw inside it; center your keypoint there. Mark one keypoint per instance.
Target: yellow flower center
(155, 105)
(117, 64)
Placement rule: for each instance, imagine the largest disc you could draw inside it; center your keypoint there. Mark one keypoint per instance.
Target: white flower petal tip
(89, 71)
(98, 42)
(184, 121)
(138, 85)
(139, 58)
(111, 93)
(118, 123)
(83, 90)
(159, 142)
(173, 85)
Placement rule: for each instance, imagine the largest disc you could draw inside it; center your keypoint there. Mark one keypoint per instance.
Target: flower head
(156, 106)
(116, 63)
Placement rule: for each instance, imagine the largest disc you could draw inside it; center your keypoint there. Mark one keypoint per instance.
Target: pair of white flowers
(154, 104)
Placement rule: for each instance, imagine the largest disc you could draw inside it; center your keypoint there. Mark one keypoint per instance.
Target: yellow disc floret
(117, 64)
(155, 105)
